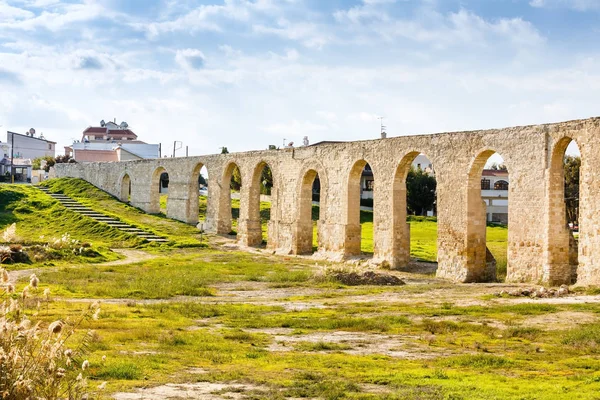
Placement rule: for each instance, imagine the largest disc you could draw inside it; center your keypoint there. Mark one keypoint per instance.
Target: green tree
(421, 191)
(224, 150)
(571, 169)
(37, 162)
(236, 179)
(266, 181)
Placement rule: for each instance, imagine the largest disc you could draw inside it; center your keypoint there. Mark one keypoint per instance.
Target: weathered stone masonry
(538, 240)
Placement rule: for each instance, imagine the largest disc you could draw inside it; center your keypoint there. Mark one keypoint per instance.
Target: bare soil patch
(195, 391)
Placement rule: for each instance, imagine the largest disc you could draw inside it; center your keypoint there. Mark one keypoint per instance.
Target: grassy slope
(41, 219)
(181, 234)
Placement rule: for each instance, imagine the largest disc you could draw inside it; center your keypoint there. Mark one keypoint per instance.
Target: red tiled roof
(494, 172)
(99, 129)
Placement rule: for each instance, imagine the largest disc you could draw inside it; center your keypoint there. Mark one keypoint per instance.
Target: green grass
(146, 345)
(40, 218)
(179, 274)
(179, 233)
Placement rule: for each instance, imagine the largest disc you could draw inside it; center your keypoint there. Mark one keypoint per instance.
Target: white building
(24, 148)
(29, 146)
(494, 192)
(111, 142)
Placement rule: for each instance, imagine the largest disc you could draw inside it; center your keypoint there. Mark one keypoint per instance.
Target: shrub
(10, 234)
(36, 361)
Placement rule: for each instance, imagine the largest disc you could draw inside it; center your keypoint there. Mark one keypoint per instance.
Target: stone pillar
(389, 234)
(352, 236)
(179, 202)
(452, 221)
(144, 194)
(249, 227)
(556, 268)
(588, 272)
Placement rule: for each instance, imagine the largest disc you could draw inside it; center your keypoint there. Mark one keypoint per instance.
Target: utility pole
(175, 146)
(383, 128)
(12, 156)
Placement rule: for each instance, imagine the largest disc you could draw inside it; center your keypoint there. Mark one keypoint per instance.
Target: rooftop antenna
(383, 128)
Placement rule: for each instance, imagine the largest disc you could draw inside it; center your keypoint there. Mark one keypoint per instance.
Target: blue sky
(249, 73)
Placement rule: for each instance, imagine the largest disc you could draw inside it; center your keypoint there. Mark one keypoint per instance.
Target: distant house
(111, 142)
(367, 181)
(24, 148)
(494, 192)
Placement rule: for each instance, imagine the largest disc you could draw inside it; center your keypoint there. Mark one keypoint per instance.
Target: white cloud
(579, 5)
(439, 30)
(58, 18)
(9, 13)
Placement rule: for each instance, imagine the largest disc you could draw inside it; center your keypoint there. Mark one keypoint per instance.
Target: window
(485, 184)
(501, 185)
(369, 185)
(49, 146)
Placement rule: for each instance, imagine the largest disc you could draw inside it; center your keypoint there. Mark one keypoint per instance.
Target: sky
(245, 74)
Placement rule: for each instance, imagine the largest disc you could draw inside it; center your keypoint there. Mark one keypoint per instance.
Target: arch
(481, 265)
(561, 264)
(156, 184)
(353, 237)
(224, 209)
(255, 216)
(304, 231)
(501, 185)
(125, 188)
(401, 228)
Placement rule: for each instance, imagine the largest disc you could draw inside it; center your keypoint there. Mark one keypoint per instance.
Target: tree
(224, 150)
(37, 163)
(201, 180)
(236, 179)
(498, 167)
(421, 191)
(571, 169)
(266, 181)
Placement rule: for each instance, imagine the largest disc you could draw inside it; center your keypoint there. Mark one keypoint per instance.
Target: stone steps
(79, 208)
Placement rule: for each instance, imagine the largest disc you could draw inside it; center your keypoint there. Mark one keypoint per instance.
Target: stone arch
(353, 235)
(560, 265)
(125, 188)
(254, 222)
(155, 189)
(479, 264)
(224, 210)
(401, 229)
(304, 226)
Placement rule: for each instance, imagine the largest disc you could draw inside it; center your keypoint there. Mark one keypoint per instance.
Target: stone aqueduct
(538, 239)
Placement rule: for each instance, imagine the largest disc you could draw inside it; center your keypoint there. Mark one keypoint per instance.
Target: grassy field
(252, 321)
(285, 328)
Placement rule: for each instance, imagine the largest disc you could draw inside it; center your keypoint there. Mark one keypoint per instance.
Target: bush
(35, 360)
